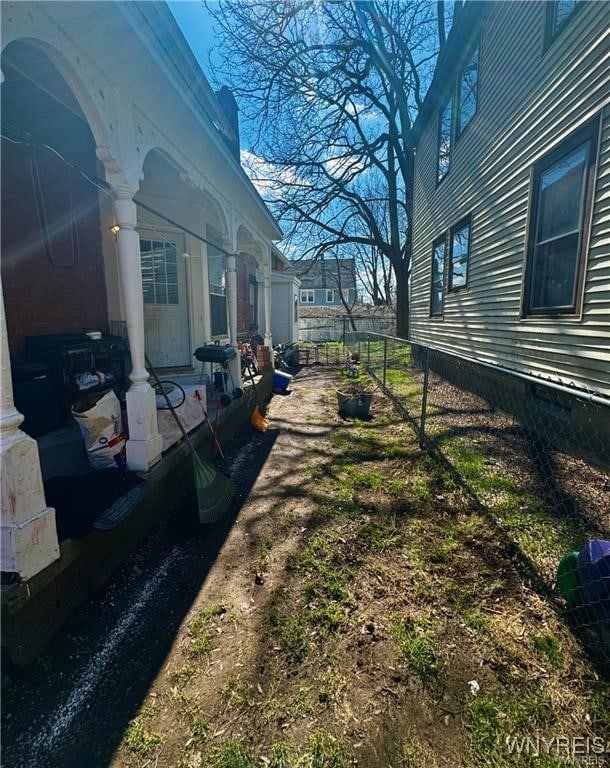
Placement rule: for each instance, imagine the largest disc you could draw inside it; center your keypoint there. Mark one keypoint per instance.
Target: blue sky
(197, 27)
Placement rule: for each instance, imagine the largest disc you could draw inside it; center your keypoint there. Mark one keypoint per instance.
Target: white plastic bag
(102, 431)
(91, 379)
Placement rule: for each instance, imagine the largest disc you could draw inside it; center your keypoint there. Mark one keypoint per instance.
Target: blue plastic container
(281, 381)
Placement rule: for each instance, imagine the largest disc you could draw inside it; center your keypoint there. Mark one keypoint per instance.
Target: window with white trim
(308, 296)
(253, 299)
(330, 296)
(216, 278)
(158, 260)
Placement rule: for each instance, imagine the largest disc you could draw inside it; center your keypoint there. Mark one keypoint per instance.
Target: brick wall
(246, 269)
(53, 283)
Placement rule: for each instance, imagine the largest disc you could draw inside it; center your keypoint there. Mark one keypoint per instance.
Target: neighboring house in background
(323, 281)
(124, 208)
(284, 292)
(285, 288)
(511, 234)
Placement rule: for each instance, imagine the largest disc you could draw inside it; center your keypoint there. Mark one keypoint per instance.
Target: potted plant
(354, 400)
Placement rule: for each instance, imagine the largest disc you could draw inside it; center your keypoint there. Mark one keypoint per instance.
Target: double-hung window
(216, 278)
(444, 140)
(468, 90)
(253, 300)
(558, 12)
(459, 254)
(308, 296)
(438, 276)
(330, 296)
(561, 200)
(466, 101)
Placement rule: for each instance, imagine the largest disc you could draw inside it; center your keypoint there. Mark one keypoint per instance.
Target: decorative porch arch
(84, 98)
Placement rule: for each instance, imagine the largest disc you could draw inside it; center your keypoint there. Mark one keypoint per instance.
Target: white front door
(166, 327)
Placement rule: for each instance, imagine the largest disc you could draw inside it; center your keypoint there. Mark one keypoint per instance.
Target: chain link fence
(534, 455)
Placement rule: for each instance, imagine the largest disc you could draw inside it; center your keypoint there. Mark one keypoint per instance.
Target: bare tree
(375, 275)
(332, 90)
(337, 278)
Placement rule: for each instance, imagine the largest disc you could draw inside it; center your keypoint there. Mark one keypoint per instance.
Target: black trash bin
(38, 396)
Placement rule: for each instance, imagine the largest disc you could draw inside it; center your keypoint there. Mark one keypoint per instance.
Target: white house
(124, 205)
(285, 288)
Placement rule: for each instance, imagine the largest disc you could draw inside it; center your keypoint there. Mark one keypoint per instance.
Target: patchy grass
(387, 593)
(416, 648)
(232, 755)
(141, 741)
(301, 705)
(405, 386)
(238, 692)
(543, 535)
(324, 565)
(291, 633)
(494, 718)
(550, 648)
(265, 546)
(323, 751)
(201, 637)
(183, 676)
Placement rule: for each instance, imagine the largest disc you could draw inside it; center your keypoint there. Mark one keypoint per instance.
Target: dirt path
(355, 610)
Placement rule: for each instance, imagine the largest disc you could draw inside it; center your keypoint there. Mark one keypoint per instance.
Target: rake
(215, 489)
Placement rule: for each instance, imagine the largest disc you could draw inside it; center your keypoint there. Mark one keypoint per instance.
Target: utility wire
(28, 140)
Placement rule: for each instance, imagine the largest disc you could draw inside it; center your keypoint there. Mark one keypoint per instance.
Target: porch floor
(101, 518)
(84, 499)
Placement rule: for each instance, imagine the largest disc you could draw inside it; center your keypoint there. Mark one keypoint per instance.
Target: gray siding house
(323, 281)
(511, 230)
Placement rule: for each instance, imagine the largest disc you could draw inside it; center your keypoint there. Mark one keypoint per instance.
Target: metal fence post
(385, 360)
(424, 400)
(368, 353)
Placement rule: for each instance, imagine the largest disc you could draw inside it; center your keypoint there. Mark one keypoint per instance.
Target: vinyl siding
(529, 101)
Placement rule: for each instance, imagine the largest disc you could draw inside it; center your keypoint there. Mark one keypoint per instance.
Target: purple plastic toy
(594, 572)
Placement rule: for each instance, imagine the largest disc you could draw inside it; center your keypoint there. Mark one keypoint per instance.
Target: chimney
(229, 106)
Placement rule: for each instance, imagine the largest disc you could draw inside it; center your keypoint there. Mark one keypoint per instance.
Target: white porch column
(231, 296)
(145, 443)
(28, 535)
(205, 284)
(267, 296)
